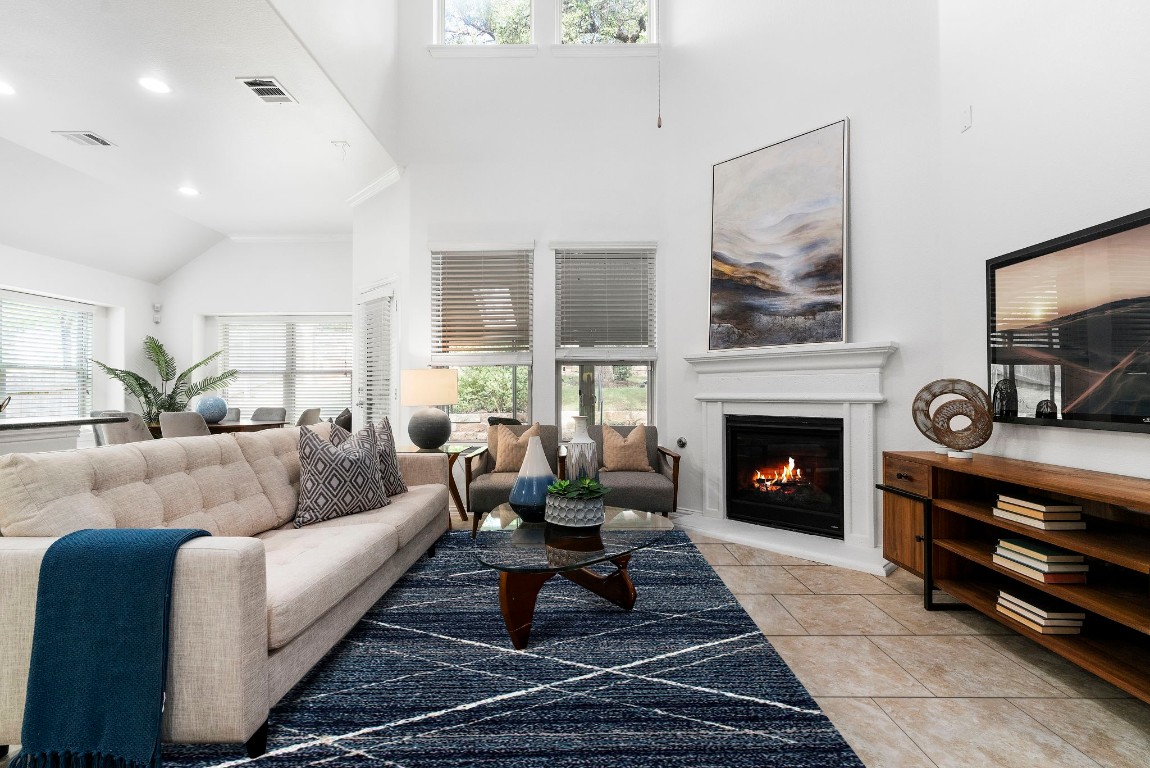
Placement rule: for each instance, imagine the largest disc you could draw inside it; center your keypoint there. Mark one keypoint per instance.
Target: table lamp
(429, 427)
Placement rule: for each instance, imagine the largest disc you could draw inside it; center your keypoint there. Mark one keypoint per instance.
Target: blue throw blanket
(100, 650)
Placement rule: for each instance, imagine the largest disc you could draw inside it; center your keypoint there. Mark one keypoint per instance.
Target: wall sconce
(156, 313)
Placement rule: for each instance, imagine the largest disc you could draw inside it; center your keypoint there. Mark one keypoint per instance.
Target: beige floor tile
(874, 737)
(755, 556)
(717, 554)
(702, 538)
(908, 611)
(760, 580)
(1069, 678)
(963, 666)
(828, 580)
(1112, 732)
(972, 733)
(905, 582)
(840, 615)
(845, 666)
(770, 616)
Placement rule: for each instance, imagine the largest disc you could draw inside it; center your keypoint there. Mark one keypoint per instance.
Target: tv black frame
(1097, 232)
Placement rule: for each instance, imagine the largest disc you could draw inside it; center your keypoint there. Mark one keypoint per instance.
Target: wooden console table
(938, 523)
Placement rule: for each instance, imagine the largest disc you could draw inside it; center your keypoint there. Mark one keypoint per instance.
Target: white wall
(129, 302)
(543, 149)
(245, 277)
(1058, 143)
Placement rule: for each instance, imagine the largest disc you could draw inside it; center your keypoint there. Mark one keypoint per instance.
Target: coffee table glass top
(506, 543)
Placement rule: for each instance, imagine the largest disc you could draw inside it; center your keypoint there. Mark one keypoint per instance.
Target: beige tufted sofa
(255, 605)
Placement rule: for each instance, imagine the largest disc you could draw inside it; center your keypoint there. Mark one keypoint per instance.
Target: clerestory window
(606, 22)
(484, 22)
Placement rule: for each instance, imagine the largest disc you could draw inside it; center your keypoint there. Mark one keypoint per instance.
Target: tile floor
(908, 687)
(914, 689)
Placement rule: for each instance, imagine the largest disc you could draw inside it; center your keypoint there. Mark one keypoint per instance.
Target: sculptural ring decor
(974, 405)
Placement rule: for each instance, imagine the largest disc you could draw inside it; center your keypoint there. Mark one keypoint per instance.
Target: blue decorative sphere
(212, 408)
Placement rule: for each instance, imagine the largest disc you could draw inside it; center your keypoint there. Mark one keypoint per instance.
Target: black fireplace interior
(786, 473)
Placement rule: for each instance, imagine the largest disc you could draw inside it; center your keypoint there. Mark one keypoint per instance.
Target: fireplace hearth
(786, 472)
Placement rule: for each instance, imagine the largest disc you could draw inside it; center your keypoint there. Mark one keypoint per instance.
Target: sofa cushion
(649, 491)
(509, 448)
(408, 513)
(625, 453)
(338, 480)
(309, 571)
(274, 457)
(393, 484)
(189, 482)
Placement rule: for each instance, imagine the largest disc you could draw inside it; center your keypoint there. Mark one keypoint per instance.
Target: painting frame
(780, 241)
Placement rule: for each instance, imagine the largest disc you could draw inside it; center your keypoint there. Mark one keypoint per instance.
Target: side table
(453, 451)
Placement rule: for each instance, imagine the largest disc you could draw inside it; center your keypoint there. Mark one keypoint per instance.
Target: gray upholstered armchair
(656, 491)
(487, 489)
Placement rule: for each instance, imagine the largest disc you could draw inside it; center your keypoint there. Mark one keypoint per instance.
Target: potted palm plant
(577, 504)
(156, 400)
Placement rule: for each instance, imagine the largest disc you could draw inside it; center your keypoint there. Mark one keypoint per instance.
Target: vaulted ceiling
(261, 169)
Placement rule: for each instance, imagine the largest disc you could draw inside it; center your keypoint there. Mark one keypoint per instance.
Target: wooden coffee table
(528, 555)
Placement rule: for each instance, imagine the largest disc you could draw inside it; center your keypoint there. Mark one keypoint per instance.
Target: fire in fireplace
(786, 473)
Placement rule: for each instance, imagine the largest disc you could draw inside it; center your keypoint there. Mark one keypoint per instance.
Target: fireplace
(786, 472)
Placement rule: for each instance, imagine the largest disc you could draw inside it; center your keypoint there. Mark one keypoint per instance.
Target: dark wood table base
(519, 590)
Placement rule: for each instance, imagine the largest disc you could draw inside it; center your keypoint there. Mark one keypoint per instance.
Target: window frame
(295, 407)
(649, 48)
(440, 46)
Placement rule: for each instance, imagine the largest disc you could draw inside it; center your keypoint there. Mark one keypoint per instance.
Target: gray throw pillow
(388, 459)
(338, 480)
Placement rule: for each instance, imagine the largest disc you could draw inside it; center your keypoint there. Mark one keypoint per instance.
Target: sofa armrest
(424, 468)
(669, 467)
(217, 688)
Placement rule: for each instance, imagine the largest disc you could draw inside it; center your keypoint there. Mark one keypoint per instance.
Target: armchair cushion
(648, 491)
(489, 490)
(548, 436)
(508, 447)
(626, 454)
(651, 435)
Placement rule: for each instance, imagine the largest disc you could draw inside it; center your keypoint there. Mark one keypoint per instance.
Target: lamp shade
(429, 386)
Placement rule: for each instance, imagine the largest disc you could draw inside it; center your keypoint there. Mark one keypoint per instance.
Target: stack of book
(1039, 612)
(1047, 515)
(1041, 562)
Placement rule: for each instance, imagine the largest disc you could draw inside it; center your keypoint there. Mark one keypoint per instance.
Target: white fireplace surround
(837, 380)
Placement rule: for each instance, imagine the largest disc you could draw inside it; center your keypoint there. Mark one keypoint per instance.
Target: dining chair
(233, 414)
(269, 414)
(131, 431)
(96, 427)
(183, 424)
(309, 416)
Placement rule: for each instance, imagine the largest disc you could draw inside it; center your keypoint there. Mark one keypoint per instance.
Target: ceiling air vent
(268, 89)
(85, 138)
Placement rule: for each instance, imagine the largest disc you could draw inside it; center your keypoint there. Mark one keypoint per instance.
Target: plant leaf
(183, 377)
(209, 383)
(161, 358)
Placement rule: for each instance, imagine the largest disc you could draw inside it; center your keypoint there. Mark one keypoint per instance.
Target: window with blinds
(605, 298)
(481, 304)
(375, 356)
(45, 356)
(297, 362)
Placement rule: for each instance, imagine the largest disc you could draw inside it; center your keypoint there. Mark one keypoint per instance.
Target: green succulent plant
(584, 488)
(156, 400)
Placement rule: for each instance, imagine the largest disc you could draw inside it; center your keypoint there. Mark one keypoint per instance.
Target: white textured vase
(574, 513)
(582, 456)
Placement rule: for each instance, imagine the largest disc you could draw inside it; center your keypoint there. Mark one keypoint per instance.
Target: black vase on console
(1005, 401)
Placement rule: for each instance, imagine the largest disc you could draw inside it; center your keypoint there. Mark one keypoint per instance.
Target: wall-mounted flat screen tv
(1069, 329)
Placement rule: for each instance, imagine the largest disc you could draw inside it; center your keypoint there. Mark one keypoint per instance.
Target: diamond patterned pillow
(338, 480)
(393, 483)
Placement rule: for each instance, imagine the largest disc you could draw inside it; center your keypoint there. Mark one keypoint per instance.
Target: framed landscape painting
(778, 243)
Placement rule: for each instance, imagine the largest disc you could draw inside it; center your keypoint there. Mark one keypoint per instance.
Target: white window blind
(605, 298)
(297, 362)
(375, 357)
(45, 356)
(481, 304)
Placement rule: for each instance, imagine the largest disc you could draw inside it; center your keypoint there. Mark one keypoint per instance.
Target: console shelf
(939, 522)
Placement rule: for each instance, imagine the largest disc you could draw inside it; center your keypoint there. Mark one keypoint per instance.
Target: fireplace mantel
(840, 380)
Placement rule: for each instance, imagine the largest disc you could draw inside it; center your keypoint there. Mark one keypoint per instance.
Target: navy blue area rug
(428, 679)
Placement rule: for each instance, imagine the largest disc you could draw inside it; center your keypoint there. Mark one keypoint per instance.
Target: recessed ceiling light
(154, 85)
(7, 90)
(189, 191)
